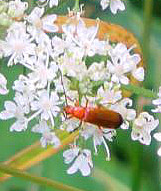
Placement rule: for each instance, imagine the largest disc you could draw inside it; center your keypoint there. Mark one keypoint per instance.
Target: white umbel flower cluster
(60, 71)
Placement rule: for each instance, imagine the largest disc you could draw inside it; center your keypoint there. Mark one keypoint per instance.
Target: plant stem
(137, 151)
(148, 7)
(76, 6)
(140, 91)
(38, 180)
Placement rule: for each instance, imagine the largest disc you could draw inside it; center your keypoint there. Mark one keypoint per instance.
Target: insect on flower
(100, 116)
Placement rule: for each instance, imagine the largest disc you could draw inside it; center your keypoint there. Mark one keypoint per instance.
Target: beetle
(99, 115)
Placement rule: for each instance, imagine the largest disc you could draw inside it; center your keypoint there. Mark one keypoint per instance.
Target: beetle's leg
(78, 126)
(86, 101)
(77, 103)
(68, 117)
(70, 99)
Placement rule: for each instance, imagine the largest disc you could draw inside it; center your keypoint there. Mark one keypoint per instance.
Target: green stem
(76, 6)
(140, 91)
(38, 180)
(136, 166)
(148, 7)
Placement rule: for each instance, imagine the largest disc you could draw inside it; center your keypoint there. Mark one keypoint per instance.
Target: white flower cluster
(61, 68)
(115, 5)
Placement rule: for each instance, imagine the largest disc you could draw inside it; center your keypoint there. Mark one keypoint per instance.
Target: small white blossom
(115, 5)
(48, 137)
(157, 102)
(26, 87)
(142, 127)
(98, 71)
(83, 161)
(17, 44)
(60, 45)
(109, 94)
(51, 2)
(43, 74)
(83, 37)
(73, 67)
(122, 63)
(38, 26)
(127, 114)
(99, 136)
(16, 8)
(62, 84)
(157, 136)
(70, 124)
(131, 62)
(23, 101)
(13, 110)
(46, 105)
(70, 154)
(118, 71)
(3, 83)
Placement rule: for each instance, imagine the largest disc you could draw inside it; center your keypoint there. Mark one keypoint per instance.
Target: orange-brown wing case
(103, 117)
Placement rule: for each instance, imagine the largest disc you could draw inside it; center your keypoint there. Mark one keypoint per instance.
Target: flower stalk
(76, 6)
(38, 180)
(140, 91)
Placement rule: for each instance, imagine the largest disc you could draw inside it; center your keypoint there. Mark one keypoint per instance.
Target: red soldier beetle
(99, 115)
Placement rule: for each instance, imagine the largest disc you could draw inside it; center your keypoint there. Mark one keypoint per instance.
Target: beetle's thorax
(78, 112)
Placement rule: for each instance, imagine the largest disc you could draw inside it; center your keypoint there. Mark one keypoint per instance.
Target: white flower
(23, 101)
(70, 154)
(157, 136)
(17, 44)
(131, 62)
(138, 73)
(51, 2)
(43, 74)
(109, 94)
(16, 8)
(142, 127)
(99, 136)
(83, 37)
(46, 105)
(122, 63)
(48, 137)
(73, 67)
(62, 45)
(13, 110)
(70, 124)
(62, 84)
(3, 83)
(83, 162)
(118, 71)
(98, 71)
(115, 5)
(127, 114)
(157, 102)
(40, 25)
(26, 87)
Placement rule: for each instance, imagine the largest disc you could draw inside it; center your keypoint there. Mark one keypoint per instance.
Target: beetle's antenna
(61, 76)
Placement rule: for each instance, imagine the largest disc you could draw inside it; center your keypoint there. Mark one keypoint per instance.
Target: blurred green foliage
(132, 165)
